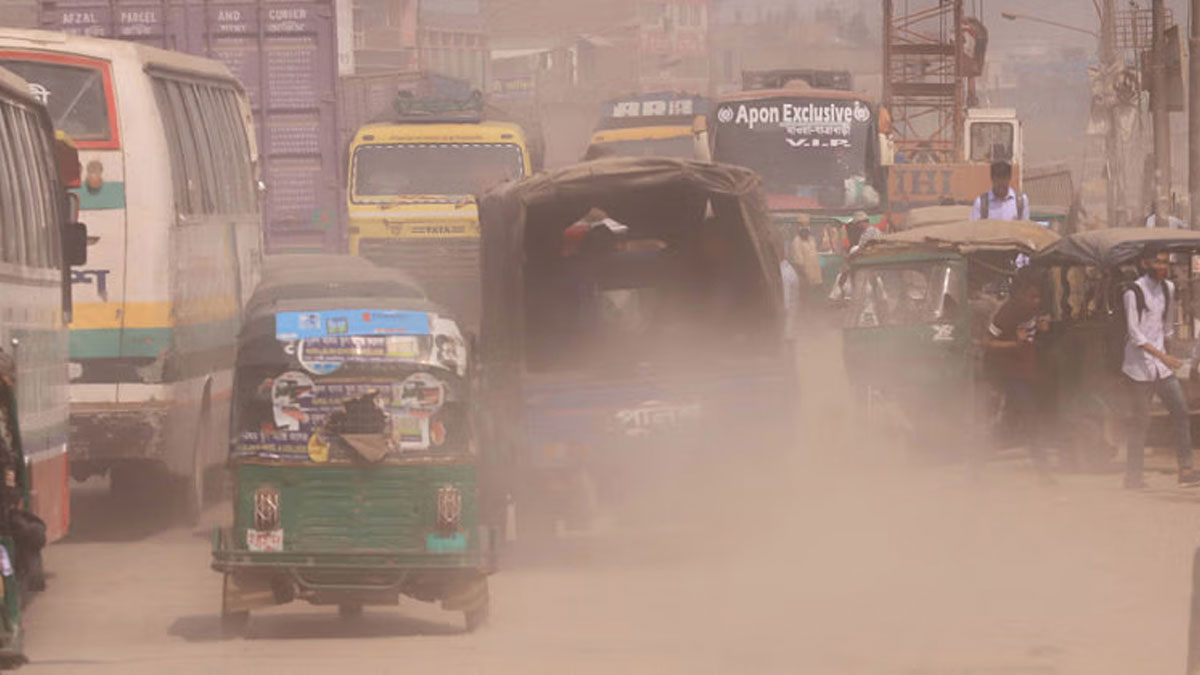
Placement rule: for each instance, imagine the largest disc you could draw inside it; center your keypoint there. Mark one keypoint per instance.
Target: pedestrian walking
(1150, 370)
(1012, 349)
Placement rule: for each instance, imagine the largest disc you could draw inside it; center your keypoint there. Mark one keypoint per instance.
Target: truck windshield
(899, 296)
(74, 95)
(807, 147)
(683, 147)
(387, 171)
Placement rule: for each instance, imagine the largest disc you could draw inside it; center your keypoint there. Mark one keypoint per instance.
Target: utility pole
(1162, 126)
(1194, 115)
(1114, 162)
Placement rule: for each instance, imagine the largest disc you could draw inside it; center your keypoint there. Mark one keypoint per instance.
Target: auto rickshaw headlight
(266, 509)
(449, 507)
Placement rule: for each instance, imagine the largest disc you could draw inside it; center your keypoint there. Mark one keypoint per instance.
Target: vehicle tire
(476, 618)
(233, 624)
(350, 611)
(193, 504)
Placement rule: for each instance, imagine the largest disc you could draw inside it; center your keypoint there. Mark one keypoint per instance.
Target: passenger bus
(38, 242)
(817, 151)
(651, 125)
(170, 195)
(411, 186)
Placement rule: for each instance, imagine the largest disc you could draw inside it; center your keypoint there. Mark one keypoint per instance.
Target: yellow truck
(411, 191)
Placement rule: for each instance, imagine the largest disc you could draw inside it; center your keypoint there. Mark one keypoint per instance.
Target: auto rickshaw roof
(1115, 246)
(316, 282)
(937, 215)
(965, 237)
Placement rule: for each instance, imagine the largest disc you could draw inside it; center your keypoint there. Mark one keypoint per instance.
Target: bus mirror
(75, 242)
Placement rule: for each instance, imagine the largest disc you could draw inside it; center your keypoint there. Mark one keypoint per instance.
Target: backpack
(1117, 333)
(986, 198)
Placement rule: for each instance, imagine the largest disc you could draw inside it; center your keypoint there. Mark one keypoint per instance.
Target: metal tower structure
(925, 78)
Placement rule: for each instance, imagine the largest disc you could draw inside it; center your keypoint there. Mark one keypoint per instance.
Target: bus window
(38, 240)
(198, 126)
(74, 95)
(189, 189)
(241, 146)
(9, 208)
(18, 252)
(174, 147)
(227, 168)
(55, 213)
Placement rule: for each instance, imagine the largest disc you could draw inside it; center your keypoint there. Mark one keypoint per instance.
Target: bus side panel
(35, 321)
(285, 54)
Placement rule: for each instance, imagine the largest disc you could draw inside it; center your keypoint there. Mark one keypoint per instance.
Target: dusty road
(853, 564)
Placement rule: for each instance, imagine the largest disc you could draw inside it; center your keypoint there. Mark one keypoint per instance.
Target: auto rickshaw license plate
(264, 542)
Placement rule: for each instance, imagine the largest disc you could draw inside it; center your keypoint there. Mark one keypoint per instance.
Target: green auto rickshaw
(919, 303)
(1087, 273)
(355, 468)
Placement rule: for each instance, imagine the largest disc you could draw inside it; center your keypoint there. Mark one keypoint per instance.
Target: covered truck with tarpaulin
(632, 333)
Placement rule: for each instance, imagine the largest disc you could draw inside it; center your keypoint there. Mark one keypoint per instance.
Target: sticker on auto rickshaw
(302, 408)
(345, 322)
(260, 541)
(318, 448)
(420, 394)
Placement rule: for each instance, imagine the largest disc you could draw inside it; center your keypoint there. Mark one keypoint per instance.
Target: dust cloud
(860, 557)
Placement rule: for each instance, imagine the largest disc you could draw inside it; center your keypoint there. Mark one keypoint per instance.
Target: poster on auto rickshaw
(357, 374)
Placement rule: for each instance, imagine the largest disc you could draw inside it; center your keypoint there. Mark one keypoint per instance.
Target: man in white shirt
(1001, 202)
(1150, 369)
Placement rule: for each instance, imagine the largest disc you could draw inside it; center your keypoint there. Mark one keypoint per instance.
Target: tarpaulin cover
(967, 237)
(1115, 246)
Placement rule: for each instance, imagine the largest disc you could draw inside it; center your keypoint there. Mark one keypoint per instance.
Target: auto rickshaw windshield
(905, 295)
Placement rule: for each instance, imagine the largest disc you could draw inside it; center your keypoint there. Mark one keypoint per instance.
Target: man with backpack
(1001, 202)
(1149, 369)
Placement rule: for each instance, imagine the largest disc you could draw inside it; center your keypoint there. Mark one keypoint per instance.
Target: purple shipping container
(285, 54)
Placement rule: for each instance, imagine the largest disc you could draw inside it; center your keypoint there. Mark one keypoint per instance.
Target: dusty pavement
(855, 563)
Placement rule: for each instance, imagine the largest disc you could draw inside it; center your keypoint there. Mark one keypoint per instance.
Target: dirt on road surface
(851, 562)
